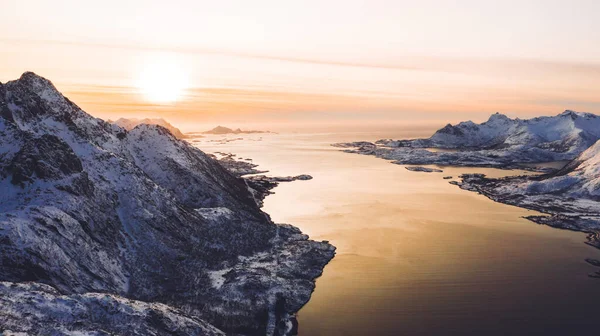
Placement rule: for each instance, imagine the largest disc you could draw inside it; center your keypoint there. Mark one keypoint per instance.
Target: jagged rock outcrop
(87, 206)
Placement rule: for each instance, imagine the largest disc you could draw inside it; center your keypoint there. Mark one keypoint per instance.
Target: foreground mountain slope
(88, 206)
(131, 123)
(498, 142)
(39, 309)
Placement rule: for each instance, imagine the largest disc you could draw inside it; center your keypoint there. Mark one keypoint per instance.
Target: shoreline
(284, 322)
(556, 215)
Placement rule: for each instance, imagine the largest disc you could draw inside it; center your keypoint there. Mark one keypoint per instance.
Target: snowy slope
(38, 309)
(87, 206)
(580, 178)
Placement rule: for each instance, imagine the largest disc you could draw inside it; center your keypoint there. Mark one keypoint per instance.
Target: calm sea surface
(416, 255)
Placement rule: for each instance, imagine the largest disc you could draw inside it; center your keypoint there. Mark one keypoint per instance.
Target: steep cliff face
(88, 206)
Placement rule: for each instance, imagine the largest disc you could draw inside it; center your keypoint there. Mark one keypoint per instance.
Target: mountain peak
(35, 81)
(575, 114)
(498, 116)
(41, 87)
(30, 74)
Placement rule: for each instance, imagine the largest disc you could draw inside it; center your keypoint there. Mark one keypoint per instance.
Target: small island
(423, 169)
(227, 130)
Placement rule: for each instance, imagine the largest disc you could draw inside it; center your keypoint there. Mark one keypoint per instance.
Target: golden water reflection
(418, 256)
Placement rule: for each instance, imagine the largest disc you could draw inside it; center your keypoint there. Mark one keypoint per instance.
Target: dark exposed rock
(46, 157)
(423, 169)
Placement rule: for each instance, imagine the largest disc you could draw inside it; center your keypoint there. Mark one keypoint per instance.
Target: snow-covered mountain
(88, 206)
(499, 142)
(568, 132)
(131, 123)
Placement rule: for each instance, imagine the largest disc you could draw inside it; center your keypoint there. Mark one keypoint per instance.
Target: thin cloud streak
(416, 63)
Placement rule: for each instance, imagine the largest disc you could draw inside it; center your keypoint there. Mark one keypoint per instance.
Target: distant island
(227, 130)
(131, 123)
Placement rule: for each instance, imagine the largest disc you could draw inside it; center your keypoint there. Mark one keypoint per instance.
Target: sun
(162, 79)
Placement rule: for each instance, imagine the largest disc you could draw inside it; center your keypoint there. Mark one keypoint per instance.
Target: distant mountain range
(131, 123)
(569, 132)
(498, 142)
(226, 130)
(89, 207)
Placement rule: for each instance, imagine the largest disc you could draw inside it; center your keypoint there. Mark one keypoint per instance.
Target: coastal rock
(261, 185)
(238, 167)
(423, 169)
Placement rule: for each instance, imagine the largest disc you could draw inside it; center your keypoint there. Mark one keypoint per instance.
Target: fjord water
(416, 255)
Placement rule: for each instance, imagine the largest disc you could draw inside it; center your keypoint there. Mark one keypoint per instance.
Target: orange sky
(303, 62)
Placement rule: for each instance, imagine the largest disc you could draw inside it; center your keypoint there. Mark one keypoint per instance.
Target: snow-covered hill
(87, 206)
(131, 123)
(498, 142)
